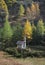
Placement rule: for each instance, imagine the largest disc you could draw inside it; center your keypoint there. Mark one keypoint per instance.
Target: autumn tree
(4, 7)
(29, 13)
(27, 31)
(35, 10)
(21, 10)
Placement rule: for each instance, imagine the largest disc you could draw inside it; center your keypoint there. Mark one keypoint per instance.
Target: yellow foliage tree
(35, 9)
(4, 7)
(28, 30)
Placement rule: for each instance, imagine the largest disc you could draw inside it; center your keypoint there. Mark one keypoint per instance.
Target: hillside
(14, 6)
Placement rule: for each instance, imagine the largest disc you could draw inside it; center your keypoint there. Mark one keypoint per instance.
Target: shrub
(24, 53)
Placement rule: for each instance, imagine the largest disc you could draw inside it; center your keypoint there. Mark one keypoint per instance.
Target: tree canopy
(27, 30)
(21, 10)
(40, 27)
(4, 7)
(7, 31)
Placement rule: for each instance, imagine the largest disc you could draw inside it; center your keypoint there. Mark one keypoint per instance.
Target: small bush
(24, 53)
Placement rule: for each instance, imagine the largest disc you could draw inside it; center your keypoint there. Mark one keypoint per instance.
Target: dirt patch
(7, 61)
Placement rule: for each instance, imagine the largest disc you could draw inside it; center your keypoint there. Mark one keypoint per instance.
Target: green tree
(40, 31)
(21, 10)
(7, 31)
(17, 32)
(34, 34)
(34, 30)
(40, 28)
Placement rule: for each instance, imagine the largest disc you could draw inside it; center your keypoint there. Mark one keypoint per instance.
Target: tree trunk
(25, 41)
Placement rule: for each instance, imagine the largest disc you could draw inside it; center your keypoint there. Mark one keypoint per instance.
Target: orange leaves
(35, 9)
